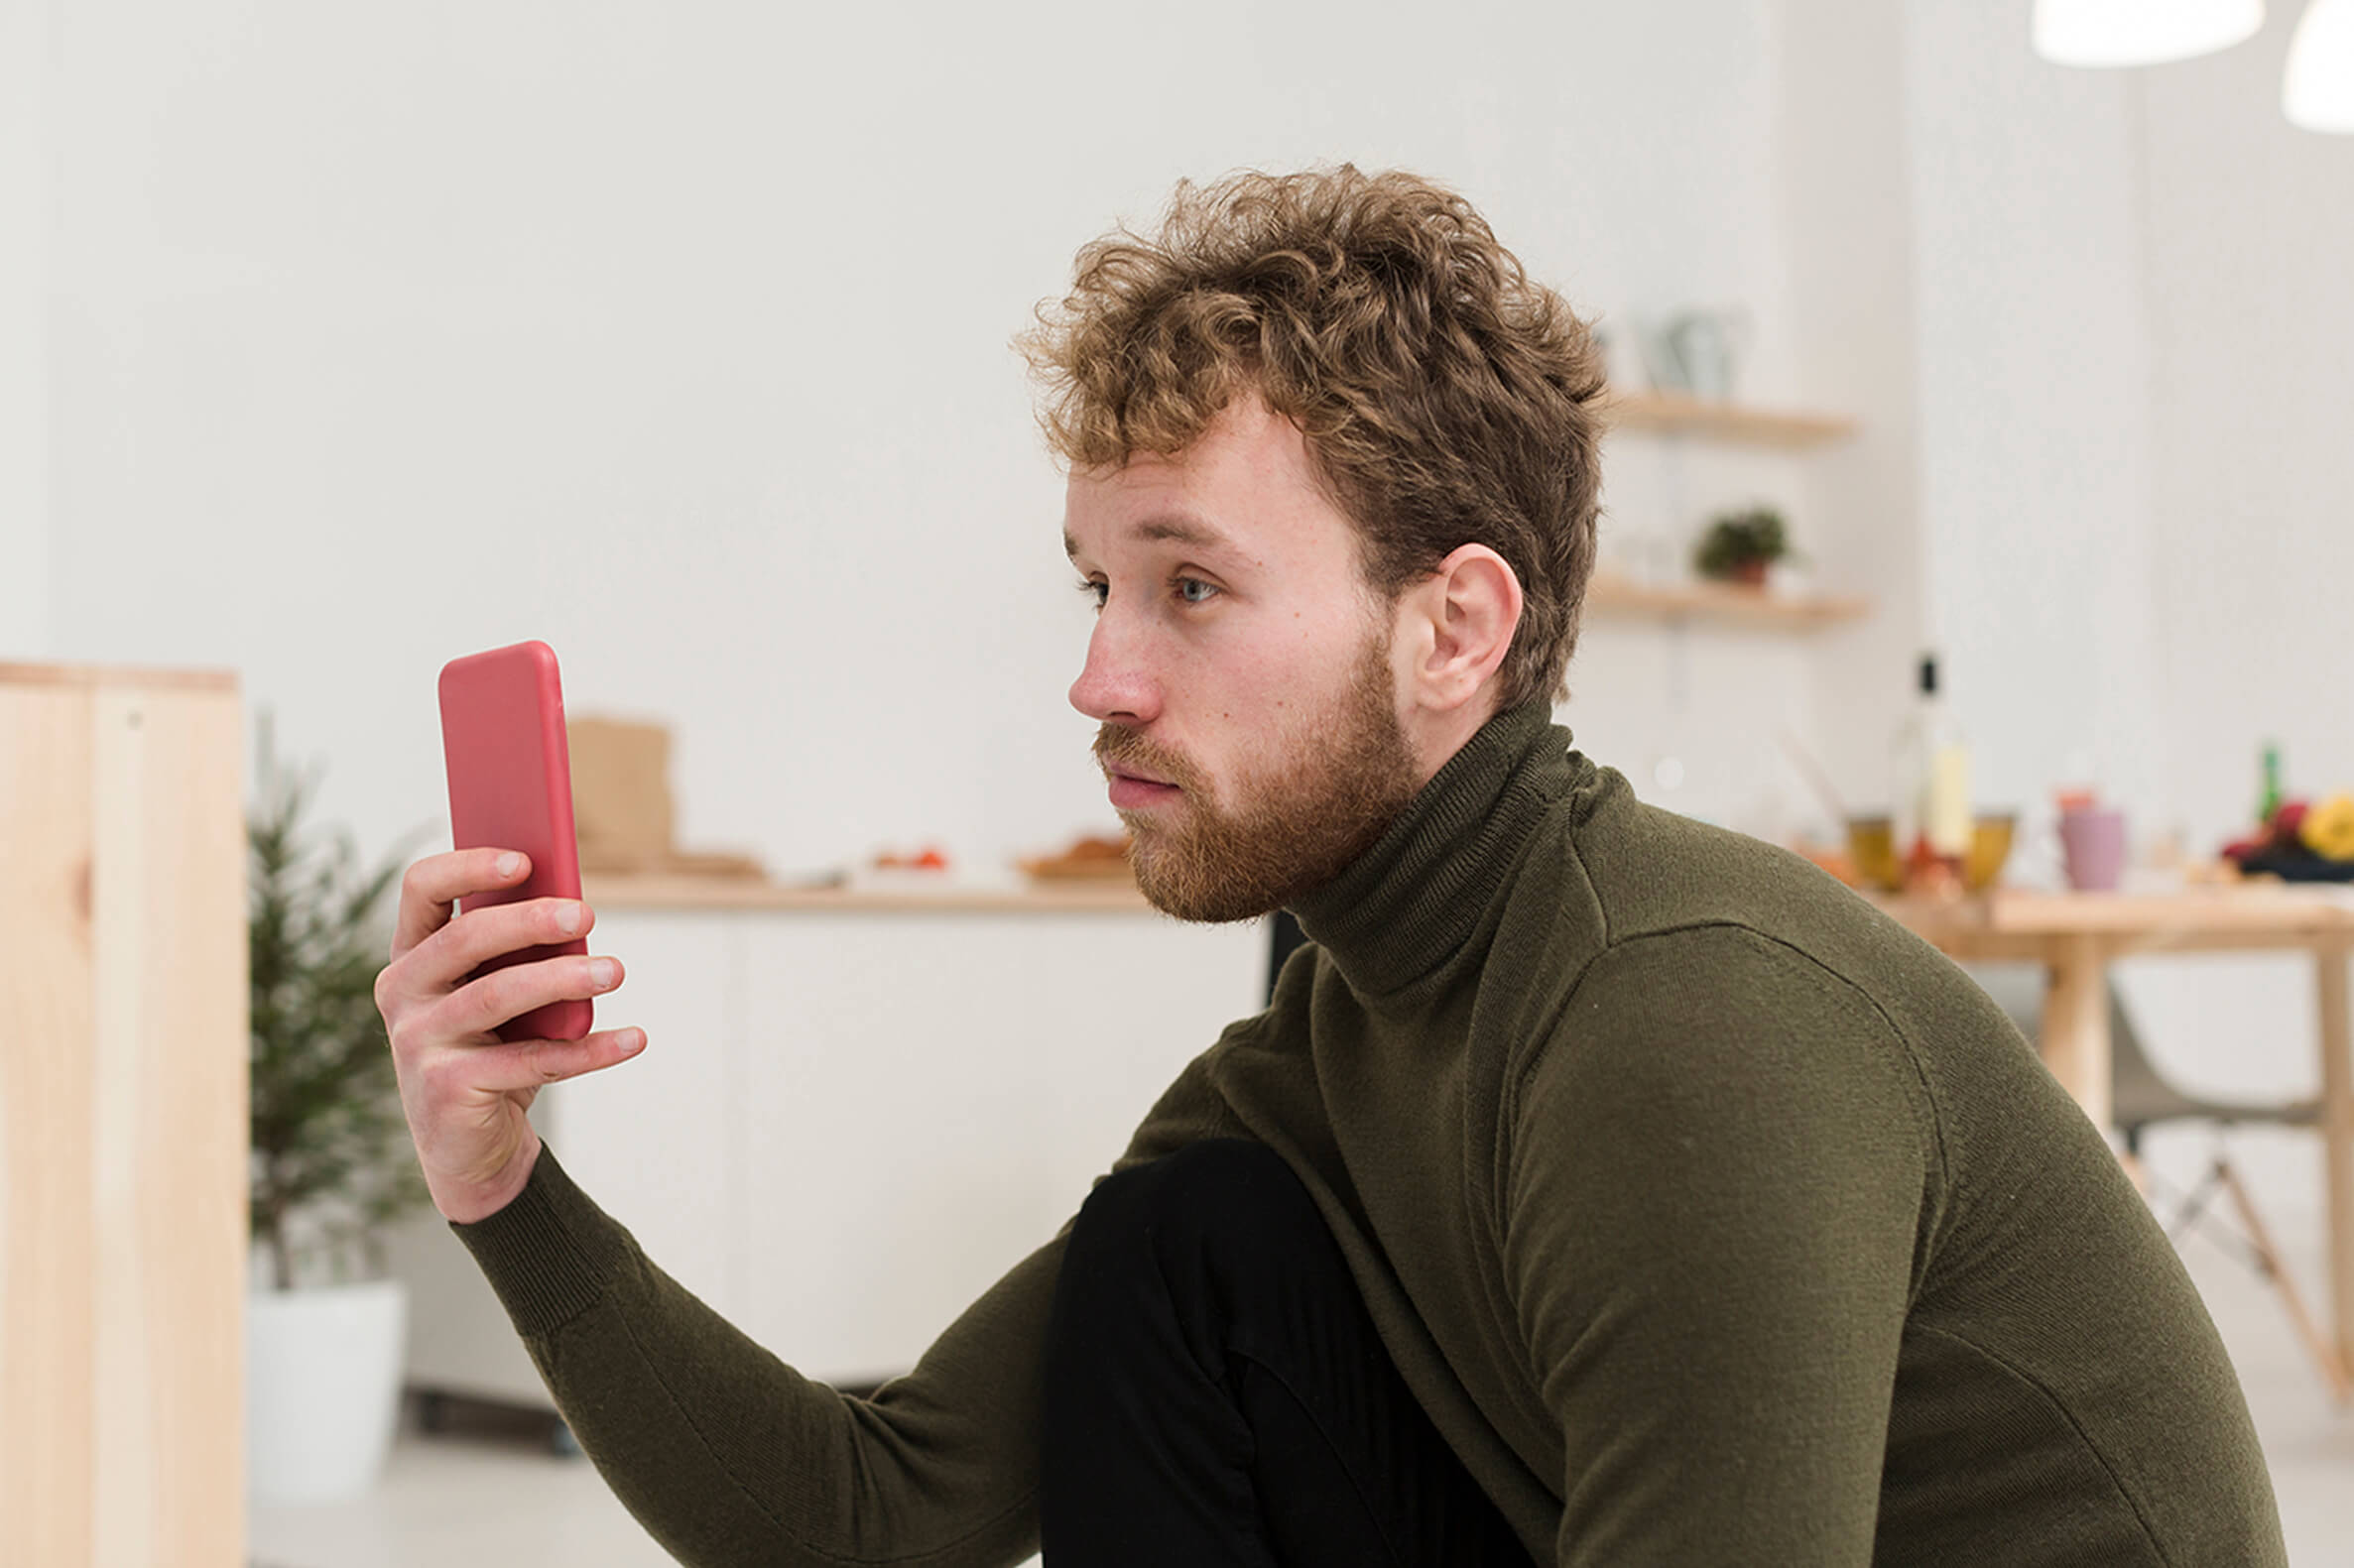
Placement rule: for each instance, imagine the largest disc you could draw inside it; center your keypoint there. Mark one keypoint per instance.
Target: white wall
(2251, 228)
(2034, 375)
(679, 339)
(26, 34)
(1844, 175)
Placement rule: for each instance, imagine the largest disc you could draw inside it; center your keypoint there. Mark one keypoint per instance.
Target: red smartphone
(511, 788)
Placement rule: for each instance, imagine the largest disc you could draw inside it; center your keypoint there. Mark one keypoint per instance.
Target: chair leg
(2274, 1270)
(2195, 1203)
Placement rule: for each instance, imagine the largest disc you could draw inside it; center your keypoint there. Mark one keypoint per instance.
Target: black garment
(1217, 1393)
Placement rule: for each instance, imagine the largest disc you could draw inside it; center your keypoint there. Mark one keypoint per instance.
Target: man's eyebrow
(1168, 530)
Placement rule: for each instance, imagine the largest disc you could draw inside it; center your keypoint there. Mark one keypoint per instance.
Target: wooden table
(2076, 935)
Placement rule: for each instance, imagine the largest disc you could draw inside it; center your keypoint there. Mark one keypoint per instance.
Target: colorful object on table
(1870, 846)
(934, 857)
(1990, 850)
(2328, 828)
(2092, 846)
(2301, 867)
(1833, 858)
(2301, 842)
(1092, 857)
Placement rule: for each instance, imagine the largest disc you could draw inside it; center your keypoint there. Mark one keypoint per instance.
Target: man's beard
(1341, 786)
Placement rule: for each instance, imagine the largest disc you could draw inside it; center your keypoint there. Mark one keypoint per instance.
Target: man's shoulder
(1643, 922)
(1610, 872)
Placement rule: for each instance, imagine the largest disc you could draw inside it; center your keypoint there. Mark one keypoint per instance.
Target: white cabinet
(848, 1122)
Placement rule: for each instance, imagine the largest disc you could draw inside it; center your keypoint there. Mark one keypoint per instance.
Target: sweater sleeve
(1715, 1197)
(727, 1455)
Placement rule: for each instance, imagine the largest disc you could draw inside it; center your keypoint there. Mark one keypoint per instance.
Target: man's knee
(1236, 1191)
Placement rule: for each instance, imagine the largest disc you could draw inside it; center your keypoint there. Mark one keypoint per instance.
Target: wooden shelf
(1757, 608)
(1674, 415)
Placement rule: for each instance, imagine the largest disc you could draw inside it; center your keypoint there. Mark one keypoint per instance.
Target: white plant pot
(322, 1389)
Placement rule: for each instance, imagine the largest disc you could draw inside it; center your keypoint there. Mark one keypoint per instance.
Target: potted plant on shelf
(1740, 546)
(330, 1158)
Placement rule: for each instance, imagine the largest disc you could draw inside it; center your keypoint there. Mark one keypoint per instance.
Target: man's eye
(1098, 590)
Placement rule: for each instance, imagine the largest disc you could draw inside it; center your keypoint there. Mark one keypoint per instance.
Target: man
(1598, 1187)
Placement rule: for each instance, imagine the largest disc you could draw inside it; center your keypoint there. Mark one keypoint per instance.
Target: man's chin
(1178, 885)
(1200, 907)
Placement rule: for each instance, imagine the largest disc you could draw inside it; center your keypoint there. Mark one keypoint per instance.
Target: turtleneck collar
(1410, 903)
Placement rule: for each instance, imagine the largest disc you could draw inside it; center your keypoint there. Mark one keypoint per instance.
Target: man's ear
(1461, 622)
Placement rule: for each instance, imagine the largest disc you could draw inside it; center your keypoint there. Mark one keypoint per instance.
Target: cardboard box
(621, 793)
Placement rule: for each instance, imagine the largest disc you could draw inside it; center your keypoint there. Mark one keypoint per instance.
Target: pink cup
(2092, 844)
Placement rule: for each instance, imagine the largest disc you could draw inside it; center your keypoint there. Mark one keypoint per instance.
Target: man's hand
(464, 1090)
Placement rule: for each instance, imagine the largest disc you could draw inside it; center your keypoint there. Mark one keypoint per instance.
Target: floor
(488, 1490)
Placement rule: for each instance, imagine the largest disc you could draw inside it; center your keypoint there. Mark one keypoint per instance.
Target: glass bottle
(1931, 818)
(2268, 801)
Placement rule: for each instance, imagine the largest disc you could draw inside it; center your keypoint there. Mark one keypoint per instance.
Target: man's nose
(1115, 684)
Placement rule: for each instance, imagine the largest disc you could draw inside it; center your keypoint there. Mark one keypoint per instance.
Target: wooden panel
(46, 1431)
(122, 1125)
(169, 1100)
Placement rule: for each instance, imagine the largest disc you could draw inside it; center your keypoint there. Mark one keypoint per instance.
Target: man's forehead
(1167, 528)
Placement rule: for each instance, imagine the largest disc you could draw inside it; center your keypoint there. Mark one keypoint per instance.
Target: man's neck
(1437, 737)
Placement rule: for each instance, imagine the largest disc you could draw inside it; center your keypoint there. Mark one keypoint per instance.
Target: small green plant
(331, 1161)
(1742, 544)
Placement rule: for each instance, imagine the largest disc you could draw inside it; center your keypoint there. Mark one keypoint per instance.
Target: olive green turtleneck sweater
(1713, 1218)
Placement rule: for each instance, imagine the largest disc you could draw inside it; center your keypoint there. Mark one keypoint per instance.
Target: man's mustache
(1125, 757)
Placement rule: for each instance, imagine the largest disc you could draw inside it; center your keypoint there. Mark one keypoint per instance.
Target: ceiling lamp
(2317, 90)
(2144, 32)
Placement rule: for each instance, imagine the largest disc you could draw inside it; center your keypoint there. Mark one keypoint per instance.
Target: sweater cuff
(550, 1252)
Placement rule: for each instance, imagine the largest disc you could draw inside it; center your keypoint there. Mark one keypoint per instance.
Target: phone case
(511, 788)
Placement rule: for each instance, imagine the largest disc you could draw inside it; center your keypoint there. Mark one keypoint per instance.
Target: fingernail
(631, 1043)
(508, 865)
(567, 917)
(603, 973)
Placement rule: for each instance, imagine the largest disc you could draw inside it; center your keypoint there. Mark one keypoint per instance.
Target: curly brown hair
(1445, 398)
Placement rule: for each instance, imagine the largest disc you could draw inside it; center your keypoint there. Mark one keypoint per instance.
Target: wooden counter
(617, 891)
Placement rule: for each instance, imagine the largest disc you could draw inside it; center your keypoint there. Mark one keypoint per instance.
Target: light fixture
(2142, 32)
(2317, 89)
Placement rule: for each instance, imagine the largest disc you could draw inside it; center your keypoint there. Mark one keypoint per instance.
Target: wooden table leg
(2075, 1032)
(2337, 1139)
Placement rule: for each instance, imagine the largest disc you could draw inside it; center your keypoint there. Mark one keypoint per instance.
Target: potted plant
(1739, 547)
(330, 1158)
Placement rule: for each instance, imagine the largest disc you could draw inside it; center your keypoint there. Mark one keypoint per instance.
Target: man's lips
(1138, 791)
